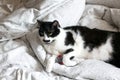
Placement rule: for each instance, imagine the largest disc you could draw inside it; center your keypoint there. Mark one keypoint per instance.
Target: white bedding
(21, 55)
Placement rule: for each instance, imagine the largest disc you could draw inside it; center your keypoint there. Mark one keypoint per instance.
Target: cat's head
(48, 31)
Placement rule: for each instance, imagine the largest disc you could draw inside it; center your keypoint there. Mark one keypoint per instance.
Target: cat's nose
(46, 40)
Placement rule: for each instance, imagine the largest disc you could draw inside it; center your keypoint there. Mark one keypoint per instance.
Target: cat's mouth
(49, 42)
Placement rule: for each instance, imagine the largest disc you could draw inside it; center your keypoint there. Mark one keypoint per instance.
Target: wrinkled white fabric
(16, 63)
(101, 17)
(17, 18)
(24, 18)
(109, 3)
(21, 55)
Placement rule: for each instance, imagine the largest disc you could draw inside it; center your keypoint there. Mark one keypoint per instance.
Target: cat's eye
(41, 33)
(50, 33)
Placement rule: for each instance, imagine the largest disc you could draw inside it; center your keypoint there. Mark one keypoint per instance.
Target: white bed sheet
(21, 55)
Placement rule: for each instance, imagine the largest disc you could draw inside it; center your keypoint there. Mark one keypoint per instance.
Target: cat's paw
(49, 66)
(50, 63)
(48, 69)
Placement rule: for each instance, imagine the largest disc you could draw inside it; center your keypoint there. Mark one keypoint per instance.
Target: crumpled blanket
(21, 55)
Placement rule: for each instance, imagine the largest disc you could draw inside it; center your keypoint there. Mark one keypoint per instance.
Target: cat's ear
(55, 23)
(39, 23)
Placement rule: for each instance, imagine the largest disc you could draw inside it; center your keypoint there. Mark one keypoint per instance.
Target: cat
(54, 40)
(77, 43)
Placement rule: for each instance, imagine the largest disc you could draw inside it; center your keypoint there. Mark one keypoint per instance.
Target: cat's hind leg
(71, 59)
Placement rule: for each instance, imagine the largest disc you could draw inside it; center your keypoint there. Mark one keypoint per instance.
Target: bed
(23, 58)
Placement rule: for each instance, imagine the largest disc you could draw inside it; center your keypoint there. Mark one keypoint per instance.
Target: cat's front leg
(50, 63)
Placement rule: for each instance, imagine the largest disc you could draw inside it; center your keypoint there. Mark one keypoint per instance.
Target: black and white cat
(77, 43)
(55, 40)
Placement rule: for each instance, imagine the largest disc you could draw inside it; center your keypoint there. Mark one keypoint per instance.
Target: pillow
(109, 3)
(100, 17)
(93, 21)
(115, 14)
(67, 14)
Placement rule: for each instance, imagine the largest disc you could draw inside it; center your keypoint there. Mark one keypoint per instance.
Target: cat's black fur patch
(71, 28)
(69, 39)
(68, 50)
(72, 57)
(116, 48)
(93, 37)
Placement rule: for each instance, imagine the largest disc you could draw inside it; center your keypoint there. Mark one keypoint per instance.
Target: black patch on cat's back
(72, 28)
(69, 39)
(93, 37)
